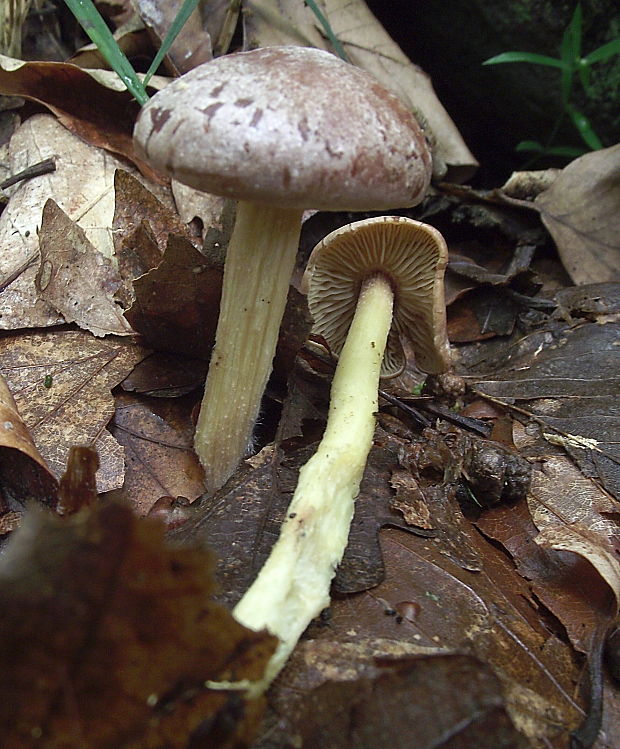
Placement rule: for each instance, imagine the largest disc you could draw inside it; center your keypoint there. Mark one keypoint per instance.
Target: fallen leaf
(483, 613)
(82, 185)
(135, 203)
(177, 304)
(447, 700)
(213, 211)
(565, 377)
(575, 520)
(99, 115)
(75, 279)
(580, 210)
(24, 475)
(410, 500)
(192, 44)
(158, 437)
(565, 584)
(164, 375)
(78, 404)
(108, 637)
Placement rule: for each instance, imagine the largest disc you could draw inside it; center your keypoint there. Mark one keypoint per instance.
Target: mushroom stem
(259, 264)
(293, 585)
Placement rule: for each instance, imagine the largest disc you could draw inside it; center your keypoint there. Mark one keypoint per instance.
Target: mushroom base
(259, 264)
(293, 585)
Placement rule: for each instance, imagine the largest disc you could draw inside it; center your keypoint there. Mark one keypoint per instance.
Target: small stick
(35, 170)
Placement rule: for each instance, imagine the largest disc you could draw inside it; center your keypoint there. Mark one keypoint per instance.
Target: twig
(35, 170)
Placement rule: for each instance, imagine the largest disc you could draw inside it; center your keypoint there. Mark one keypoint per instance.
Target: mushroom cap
(291, 126)
(413, 257)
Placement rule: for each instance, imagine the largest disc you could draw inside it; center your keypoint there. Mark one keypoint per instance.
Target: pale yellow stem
(293, 585)
(259, 264)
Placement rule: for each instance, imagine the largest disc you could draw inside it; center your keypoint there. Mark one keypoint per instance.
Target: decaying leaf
(442, 700)
(133, 204)
(61, 382)
(566, 378)
(75, 278)
(82, 185)
(98, 114)
(574, 520)
(483, 613)
(158, 438)
(580, 209)
(192, 45)
(177, 303)
(108, 637)
(24, 474)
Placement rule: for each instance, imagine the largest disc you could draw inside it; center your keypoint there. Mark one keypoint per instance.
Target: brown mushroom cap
(291, 126)
(413, 257)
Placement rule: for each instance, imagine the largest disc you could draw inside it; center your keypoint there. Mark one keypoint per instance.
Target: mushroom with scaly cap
(282, 130)
(369, 284)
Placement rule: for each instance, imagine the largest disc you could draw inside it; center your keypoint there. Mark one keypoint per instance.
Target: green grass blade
(180, 20)
(603, 53)
(571, 40)
(584, 75)
(329, 32)
(582, 123)
(531, 57)
(529, 146)
(95, 27)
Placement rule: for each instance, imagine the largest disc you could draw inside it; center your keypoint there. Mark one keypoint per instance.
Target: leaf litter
(62, 382)
(506, 598)
(110, 637)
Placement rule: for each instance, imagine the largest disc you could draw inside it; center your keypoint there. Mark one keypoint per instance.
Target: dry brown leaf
(135, 203)
(581, 211)
(444, 700)
(369, 46)
(82, 185)
(571, 512)
(75, 278)
(565, 584)
(77, 405)
(24, 474)
(191, 46)
(482, 613)
(96, 113)
(107, 637)
(177, 303)
(565, 377)
(158, 437)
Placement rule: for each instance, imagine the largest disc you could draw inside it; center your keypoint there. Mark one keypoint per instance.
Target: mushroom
(370, 284)
(281, 129)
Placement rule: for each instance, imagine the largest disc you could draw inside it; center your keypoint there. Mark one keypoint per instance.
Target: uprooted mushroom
(281, 129)
(370, 285)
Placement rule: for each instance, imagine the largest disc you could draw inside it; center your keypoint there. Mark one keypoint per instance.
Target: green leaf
(93, 24)
(529, 145)
(603, 53)
(571, 40)
(329, 32)
(584, 75)
(531, 57)
(582, 123)
(180, 20)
